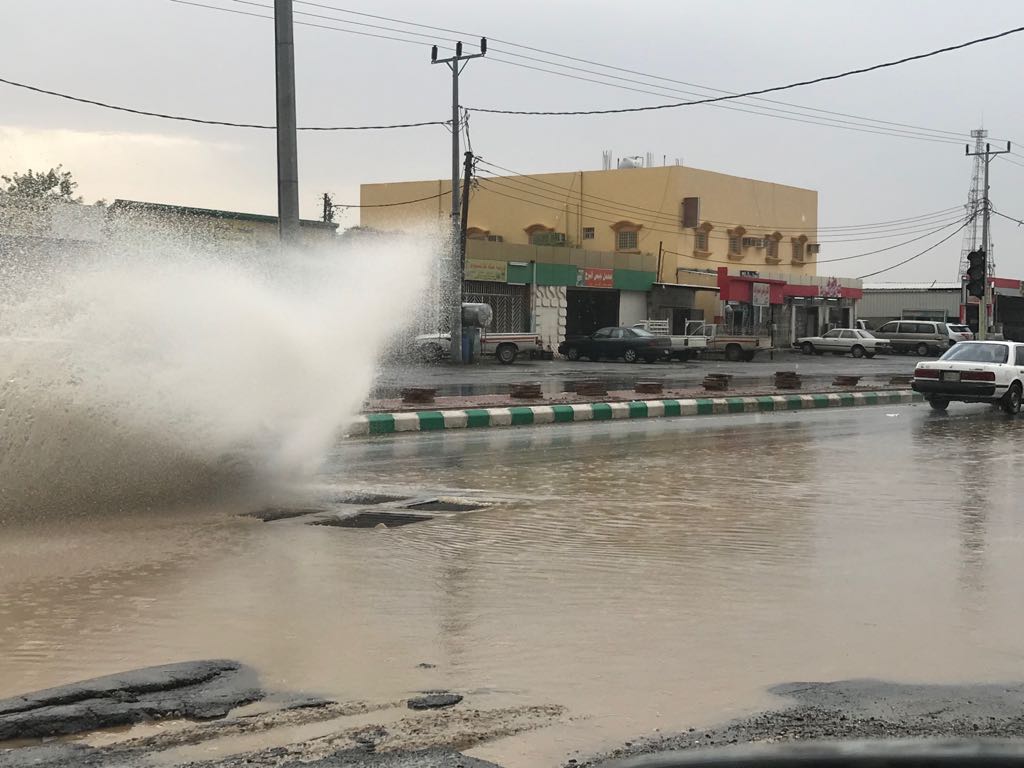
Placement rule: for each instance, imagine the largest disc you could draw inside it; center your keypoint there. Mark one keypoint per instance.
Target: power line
(485, 184)
(920, 254)
(772, 89)
(613, 67)
(629, 207)
(910, 229)
(997, 213)
(831, 122)
(865, 126)
(204, 121)
(392, 205)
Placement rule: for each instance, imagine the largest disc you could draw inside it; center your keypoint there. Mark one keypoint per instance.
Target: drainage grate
(437, 505)
(372, 520)
(367, 498)
(281, 513)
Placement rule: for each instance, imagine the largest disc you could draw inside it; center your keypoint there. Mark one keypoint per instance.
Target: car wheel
(857, 351)
(432, 353)
(1012, 398)
(573, 353)
(506, 353)
(922, 349)
(733, 353)
(807, 348)
(630, 356)
(939, 403)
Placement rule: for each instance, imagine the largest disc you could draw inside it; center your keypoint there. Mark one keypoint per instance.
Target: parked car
(504, 346)
(842, 341)
(974, 372)
(959, 333)
(631, 344)
(919, 336)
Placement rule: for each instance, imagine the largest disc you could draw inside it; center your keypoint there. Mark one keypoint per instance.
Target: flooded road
(647, 575)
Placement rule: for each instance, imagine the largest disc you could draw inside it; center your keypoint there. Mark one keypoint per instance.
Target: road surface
(642, 575)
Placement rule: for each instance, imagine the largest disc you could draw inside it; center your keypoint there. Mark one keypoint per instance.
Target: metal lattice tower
(975, 197)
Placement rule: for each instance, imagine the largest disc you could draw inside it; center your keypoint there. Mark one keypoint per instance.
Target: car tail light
(926, 373)
(977, 376)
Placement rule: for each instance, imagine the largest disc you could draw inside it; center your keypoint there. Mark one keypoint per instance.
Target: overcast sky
(163, 56)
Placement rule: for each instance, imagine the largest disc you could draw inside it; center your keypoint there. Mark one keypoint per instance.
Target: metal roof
(935, 285)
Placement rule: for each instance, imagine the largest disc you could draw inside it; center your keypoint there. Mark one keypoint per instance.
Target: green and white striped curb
(518, 415)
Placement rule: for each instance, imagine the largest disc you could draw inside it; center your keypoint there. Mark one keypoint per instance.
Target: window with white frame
(700, 240)
(588, 233)
(771, 248)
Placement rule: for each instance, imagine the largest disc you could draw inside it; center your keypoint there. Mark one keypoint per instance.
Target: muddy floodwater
(655, 575)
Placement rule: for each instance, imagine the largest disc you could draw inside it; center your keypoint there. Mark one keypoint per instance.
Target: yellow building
(659, 237)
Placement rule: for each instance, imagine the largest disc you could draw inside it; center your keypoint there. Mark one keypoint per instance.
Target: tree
(54, 184)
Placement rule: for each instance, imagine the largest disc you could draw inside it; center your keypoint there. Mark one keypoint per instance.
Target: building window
(691, 212)
(771, 248)
(702, 240)
(736, 242)
(588, 233)
(799, 247)
(627, 240)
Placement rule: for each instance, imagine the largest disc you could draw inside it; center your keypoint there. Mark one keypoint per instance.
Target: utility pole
(455, 63)
(287, 141)
(986, 297)
(467, 178)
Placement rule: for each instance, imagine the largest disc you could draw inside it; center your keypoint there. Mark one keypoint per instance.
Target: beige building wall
(591, 207)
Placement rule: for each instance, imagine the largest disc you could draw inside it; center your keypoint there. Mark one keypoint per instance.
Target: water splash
(152, 374)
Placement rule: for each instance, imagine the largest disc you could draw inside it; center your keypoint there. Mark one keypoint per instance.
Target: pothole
(360, 497)
(372, 520)
(440, 505)
(271, 514)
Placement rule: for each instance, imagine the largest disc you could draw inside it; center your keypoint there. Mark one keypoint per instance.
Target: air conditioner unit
(814, 248)
(549, 238)
(495, 239)
(753, 242)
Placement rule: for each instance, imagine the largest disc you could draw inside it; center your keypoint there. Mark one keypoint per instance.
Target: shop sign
(595, 277)
(487, 270)
(760, 294)
(832, 289)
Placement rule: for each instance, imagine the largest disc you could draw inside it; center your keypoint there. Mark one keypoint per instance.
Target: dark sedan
(630, 344)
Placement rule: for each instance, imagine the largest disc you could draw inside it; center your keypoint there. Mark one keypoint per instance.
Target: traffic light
(976, 273)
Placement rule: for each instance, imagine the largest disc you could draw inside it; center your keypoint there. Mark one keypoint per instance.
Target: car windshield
(641, 332)
(977, 352)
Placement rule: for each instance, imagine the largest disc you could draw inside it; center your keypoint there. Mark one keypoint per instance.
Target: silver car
(843, 341)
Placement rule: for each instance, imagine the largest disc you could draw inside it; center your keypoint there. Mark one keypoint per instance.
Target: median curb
(523, 415)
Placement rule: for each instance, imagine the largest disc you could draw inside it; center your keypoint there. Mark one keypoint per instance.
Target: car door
(617, 342)
(847, 339)
(1018, 360)
(890, 331)
(598, 344)
(830, 341)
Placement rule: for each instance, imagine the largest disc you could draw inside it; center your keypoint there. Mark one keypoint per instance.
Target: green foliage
(54, 184)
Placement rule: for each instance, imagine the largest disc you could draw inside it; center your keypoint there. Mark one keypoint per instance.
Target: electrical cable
(485, 184)
(889, 234)
(392, 205)
(628, 208)
(625, 70)
(758, 92)
(203, 121)
(920, 254)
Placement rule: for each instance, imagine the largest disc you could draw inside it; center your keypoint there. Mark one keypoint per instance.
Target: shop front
(487, 282)
(785, 311)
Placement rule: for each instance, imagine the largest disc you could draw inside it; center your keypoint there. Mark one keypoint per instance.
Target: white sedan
(841, 341)
(974, 372)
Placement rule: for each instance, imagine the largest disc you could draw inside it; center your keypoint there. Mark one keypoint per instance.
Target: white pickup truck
(683, 347)
(504, 346)
(734, 347)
